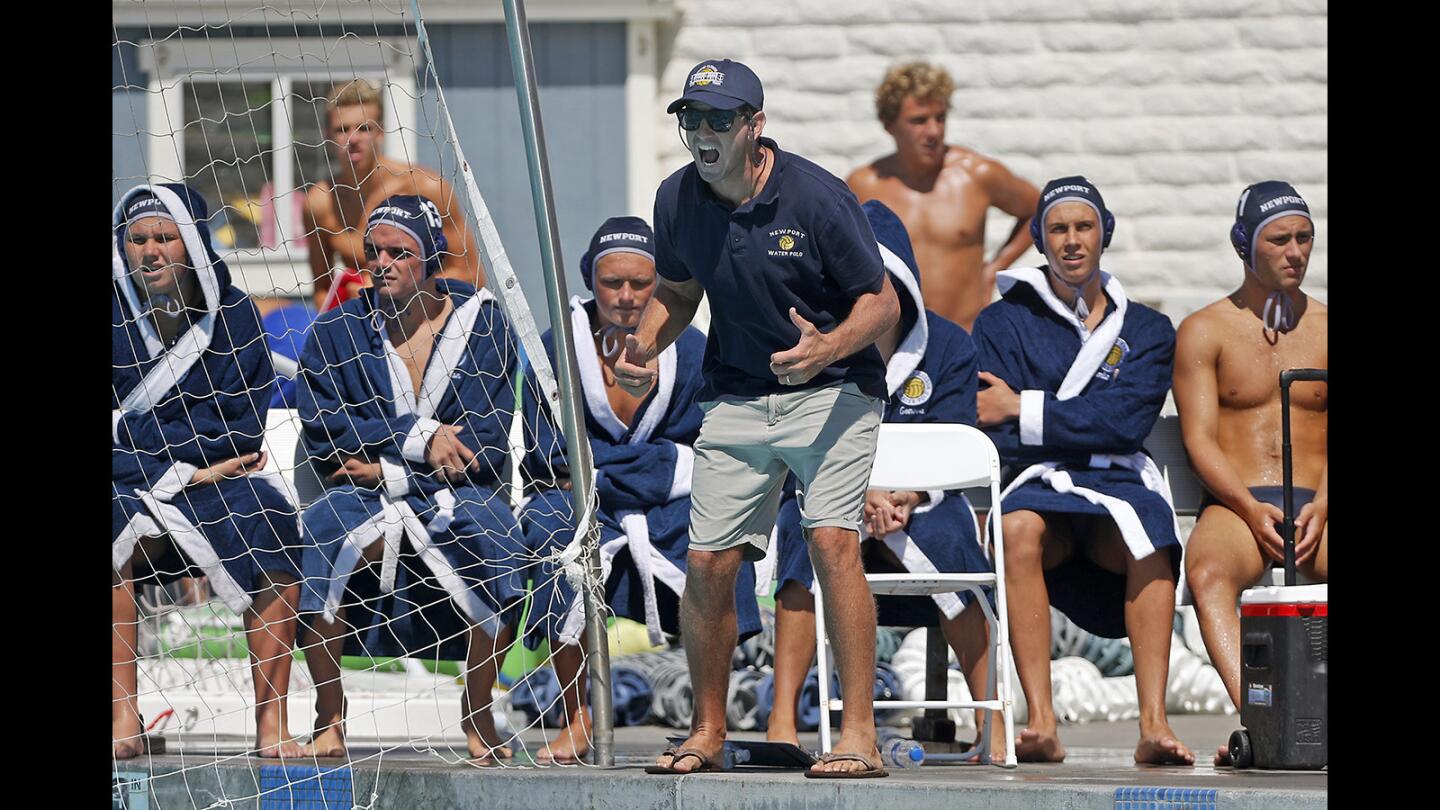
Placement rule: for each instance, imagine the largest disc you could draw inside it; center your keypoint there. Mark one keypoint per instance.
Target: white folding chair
(921, 457)
(283, 444)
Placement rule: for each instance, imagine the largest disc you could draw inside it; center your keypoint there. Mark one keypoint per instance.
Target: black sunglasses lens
(720, 120)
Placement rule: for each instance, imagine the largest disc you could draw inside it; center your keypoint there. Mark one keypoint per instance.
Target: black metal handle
(1288, 376)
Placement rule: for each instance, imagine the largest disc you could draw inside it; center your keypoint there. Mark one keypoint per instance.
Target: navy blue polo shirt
(802, 242)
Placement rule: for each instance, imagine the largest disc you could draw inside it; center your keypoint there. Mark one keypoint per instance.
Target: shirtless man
(335, 212)
(1228, 360)
(942, 193)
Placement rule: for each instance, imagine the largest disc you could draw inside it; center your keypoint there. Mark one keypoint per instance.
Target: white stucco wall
(1171, 107)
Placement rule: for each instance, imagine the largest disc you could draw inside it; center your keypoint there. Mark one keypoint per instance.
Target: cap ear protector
(1107, 224)
(1241, 242)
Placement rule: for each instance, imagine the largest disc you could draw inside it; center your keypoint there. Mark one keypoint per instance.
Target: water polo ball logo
(1116, 356)
(707, 75)
(917, 389)
(787, 242)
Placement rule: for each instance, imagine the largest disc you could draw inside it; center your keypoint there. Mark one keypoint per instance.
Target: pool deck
(1098, 773)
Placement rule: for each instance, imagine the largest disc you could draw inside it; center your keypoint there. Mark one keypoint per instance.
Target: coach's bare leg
(794, 652)
(482, 659)
(1030, 548)
(270, 635)
(572, 743)
(850, 624)
(1150, 621)
(707, 621)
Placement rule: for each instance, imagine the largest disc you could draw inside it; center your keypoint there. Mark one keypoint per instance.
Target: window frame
(284, 270)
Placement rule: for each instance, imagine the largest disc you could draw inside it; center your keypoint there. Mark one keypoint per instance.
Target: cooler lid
(1281, 595)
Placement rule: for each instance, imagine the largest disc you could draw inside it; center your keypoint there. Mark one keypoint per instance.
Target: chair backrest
(1165, 443)
(1167, 447)
(933, 456)
(288, 456)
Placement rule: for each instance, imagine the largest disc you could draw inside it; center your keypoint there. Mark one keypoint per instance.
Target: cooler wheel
(1241, 755)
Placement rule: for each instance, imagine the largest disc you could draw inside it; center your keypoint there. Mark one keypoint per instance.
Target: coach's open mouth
(709, 156)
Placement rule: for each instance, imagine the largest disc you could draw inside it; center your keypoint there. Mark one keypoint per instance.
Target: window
(252, 139)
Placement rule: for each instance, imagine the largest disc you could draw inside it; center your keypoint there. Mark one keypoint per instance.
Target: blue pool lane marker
(305, 787)
(1164, 798)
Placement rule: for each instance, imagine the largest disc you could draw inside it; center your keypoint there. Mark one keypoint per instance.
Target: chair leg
(822, 668)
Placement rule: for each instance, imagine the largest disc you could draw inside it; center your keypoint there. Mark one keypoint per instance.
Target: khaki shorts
(826, 436)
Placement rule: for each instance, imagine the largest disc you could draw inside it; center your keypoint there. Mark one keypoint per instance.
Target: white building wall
(1171, 107)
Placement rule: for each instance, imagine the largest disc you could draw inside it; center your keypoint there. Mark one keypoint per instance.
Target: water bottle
(732, 756)
(899, 752)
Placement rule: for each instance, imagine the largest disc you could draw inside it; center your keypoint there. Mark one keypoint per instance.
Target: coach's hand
(632, 368)
(810, 356)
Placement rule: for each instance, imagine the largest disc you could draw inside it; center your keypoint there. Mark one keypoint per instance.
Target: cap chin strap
(1279, 313)
(1082, 309)
(167, 305)
(612, 338)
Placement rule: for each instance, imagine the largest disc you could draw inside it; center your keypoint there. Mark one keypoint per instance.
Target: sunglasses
(720, 120)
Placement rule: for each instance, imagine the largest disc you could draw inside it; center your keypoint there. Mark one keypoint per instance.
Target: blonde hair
(924, 81)
(352, 93)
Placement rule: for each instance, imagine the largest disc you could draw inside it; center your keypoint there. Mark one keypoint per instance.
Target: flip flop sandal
(677, 754)
(872, 770)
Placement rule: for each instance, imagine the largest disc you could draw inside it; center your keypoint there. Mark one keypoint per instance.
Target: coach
(792, 384)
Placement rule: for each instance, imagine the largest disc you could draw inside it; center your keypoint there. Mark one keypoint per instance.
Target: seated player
(1228, 357)
(1073, 377)
(641, 450)
(191, 386)
(336, 208)
(405, 394)
(931, 377)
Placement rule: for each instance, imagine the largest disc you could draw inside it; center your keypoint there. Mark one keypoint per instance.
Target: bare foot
(129, 749)
(1222, 756)
(287, 748)
(849, 744)
(483, 755)
(710, 744)
(1162, 748)
(1033, 746)
(329, 742)
(569, 746)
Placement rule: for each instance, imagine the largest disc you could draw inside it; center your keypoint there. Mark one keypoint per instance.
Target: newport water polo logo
(1111, 366)
(624, 237)
(788, 240)
(1287, 199)
(917, 389)
(1066, 188)
(707, 75)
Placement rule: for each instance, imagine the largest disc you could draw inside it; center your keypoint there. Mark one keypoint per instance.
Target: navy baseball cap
(617, 235)
(723, 84)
